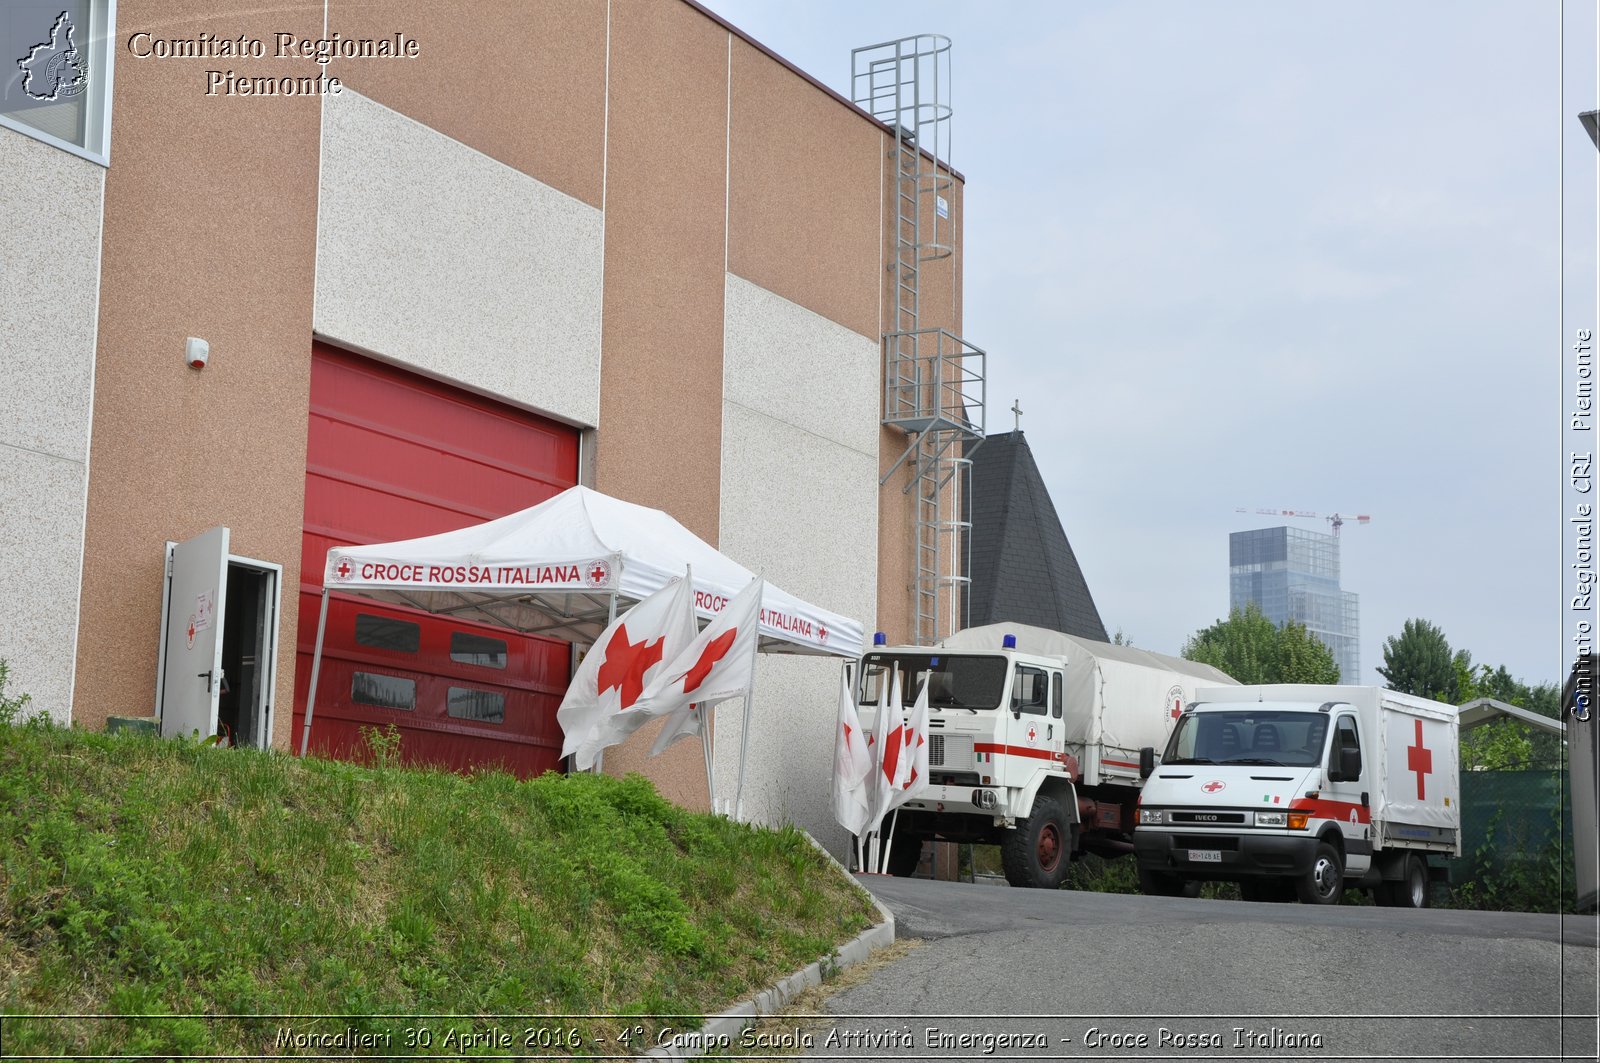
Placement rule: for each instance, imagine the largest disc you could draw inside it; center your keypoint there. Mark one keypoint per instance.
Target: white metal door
(192, 680)
(1352, 797)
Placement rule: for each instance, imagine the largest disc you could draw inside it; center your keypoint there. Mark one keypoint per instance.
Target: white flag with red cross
(624, 659)
(717, 664)
(891, 769)
(852, 764)
(914, 752)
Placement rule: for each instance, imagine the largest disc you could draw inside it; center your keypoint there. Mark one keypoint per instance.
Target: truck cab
(996, 755)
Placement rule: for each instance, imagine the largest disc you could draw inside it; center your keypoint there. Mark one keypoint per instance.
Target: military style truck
(1036, 740)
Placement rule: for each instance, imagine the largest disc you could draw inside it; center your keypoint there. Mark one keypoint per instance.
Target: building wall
(210, 223)
(799, 506)
(436, 257)
(49, 289)
(639, 223)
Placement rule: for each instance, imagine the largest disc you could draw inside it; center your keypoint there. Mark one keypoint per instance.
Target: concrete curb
(725, 1027)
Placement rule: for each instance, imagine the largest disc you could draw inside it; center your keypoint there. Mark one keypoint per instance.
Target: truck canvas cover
(1414, 742)
(1118, 698)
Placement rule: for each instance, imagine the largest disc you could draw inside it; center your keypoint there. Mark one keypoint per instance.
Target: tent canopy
(560, 569)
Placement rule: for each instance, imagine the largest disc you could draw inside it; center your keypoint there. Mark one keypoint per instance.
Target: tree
(1419, 662)
(1252, 649)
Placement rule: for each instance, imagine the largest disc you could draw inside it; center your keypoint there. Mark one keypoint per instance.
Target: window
(55, 72)
(478, 650)
(1028, 692)
(1056, 703)
(1344, 737)
(482, 706)
(954, 682)
(384, 691)
(387, 633)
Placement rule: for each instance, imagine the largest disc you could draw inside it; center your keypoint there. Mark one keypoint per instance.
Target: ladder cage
(933, 381)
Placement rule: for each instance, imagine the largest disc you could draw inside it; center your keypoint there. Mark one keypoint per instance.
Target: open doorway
(244, 701)
(217, 675)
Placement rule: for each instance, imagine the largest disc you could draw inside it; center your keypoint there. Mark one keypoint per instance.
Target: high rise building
(1293, 574)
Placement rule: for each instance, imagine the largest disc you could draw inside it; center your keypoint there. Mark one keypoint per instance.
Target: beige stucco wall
(49, 291)
(437, 257)
(798, 505)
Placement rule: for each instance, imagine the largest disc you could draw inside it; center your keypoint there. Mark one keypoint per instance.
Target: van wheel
(1411, 891)
(1165, 884)
(1035, 854)
(1324, 883)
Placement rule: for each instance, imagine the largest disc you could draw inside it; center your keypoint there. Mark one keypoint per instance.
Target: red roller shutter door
(392, 455)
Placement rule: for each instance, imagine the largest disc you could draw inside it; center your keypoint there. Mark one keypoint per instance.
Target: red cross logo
(191, 632)
(1420, 760)
(343, 571)
(1033, 734)
(715, 650)
(625, 664)
(822, 633)
(1177, 709)
(1214, 785)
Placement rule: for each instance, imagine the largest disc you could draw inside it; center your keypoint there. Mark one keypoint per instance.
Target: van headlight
(1151, 817)
(1272, 819)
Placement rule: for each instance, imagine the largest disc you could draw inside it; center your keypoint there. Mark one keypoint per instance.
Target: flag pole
(611, 618)
(885, 695)
(889, 844)
(744, 751)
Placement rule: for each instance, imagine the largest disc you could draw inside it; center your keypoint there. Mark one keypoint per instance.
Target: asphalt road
(1026, 974)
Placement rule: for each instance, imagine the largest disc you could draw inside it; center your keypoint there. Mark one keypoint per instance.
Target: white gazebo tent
(565, 568)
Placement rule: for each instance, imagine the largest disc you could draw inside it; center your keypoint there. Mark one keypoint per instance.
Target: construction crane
(1337, 519)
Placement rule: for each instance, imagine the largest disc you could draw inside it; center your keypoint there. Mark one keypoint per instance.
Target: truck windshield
(1249, 736)
(955, 682)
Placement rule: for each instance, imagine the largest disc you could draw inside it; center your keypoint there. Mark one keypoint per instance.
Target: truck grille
(953, 752)
(1206, 819)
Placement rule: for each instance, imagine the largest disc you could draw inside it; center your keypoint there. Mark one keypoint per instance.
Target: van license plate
(1205, 856)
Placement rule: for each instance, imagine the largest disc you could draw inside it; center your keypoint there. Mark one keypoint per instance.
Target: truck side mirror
(1147, 762)
(1349, 764)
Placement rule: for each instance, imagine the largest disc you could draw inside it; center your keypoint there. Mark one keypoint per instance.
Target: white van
(1306, 790)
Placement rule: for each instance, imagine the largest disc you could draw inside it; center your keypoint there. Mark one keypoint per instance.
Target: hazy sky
(1253, 254)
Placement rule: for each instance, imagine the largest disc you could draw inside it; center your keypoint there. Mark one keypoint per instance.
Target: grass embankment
(144, 877)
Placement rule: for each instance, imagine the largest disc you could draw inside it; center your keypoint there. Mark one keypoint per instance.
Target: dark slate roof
(1022, 567)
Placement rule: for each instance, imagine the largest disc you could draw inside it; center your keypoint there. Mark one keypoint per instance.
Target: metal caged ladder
(933, 380)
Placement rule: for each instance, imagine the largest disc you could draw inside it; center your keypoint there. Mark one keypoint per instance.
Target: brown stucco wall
(660, 434)
(804, 214)
(210, 212)
(522, 81)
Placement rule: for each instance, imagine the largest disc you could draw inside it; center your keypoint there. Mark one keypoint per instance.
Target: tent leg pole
(316, 671)
(599, 765)
(744, 755)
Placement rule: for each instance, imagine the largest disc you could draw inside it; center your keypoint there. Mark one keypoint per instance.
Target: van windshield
(1249, 736)
(955, 682)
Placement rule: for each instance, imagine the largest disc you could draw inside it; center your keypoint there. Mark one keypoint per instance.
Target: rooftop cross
(1016, 408)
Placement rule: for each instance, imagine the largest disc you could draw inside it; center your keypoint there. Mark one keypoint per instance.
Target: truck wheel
(1035, 854)
(1412, 889)
(904, 856)
(1324, 883)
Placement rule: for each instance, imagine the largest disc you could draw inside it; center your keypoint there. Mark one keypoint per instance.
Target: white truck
(1303, 790)
(1036, 741)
